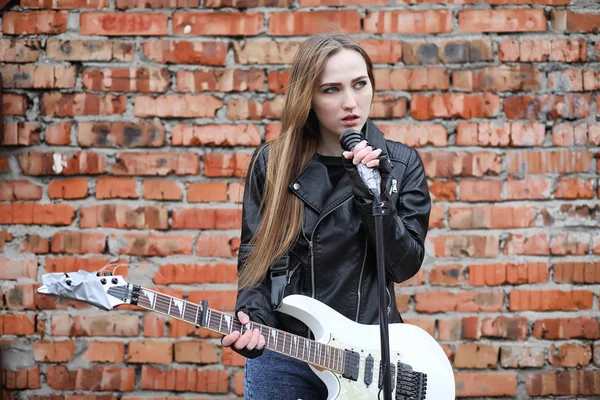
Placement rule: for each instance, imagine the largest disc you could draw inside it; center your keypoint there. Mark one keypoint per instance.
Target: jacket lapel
(375, 136)
(312, 186)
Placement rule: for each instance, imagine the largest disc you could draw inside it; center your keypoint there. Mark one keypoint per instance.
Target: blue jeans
(278, 377)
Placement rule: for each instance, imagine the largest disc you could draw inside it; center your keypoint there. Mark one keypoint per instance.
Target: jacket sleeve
(254, 301)
(405, 223)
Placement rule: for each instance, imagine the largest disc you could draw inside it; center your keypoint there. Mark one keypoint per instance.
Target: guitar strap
(279, 275)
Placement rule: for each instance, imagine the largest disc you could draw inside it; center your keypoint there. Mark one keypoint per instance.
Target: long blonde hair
(290, 153)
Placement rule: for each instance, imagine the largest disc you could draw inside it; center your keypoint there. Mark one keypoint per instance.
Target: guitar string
(216, 317)
(164, 300)
(162, 303)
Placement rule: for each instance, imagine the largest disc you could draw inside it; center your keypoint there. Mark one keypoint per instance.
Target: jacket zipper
(292, 272)
(362, 269)
(389, 306)
(394, 188)
(310, 243)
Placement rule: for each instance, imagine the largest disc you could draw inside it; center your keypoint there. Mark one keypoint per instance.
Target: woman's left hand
(363, 154)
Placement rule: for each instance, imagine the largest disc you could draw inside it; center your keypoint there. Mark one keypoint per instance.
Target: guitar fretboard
(279, 341)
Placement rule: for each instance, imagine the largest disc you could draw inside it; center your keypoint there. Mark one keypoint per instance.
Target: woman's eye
(333, 89)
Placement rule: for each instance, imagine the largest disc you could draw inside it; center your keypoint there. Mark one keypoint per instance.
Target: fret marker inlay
(179, 305)
(149, 295)
(228, 321)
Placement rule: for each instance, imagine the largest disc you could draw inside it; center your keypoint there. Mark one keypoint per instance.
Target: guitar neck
(298, 347)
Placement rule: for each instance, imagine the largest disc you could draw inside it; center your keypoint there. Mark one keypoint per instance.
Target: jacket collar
(375, 136)
(313, 186)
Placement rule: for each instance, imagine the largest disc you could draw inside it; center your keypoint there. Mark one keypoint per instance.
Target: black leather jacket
(334, 259)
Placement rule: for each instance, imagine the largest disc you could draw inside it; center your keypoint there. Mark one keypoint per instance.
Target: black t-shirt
(335, 168)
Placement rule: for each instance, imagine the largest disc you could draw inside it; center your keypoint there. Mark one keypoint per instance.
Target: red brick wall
(156, 106)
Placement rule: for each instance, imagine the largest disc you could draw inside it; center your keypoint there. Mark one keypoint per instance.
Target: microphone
(370, 176)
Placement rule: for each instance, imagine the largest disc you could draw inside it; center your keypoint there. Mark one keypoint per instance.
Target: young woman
(306, 212)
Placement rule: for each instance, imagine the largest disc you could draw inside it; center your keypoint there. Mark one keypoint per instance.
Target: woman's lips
(350, 121)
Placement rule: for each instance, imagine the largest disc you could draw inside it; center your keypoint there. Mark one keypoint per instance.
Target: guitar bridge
(410, 384)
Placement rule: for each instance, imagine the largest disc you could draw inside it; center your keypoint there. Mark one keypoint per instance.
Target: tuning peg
(107, 273)
(98, 273)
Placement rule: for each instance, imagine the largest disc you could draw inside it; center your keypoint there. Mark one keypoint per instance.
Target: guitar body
(409, 344)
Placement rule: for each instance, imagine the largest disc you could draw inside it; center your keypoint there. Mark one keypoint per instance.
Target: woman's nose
(349, 101)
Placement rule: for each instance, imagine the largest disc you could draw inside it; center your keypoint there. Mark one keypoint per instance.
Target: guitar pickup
(392, 372)
(351, 365)
(369, 370)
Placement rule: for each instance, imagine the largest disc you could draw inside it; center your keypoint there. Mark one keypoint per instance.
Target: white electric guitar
(344, 354)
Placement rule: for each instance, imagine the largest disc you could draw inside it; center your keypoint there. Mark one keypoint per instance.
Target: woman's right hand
(250, 340)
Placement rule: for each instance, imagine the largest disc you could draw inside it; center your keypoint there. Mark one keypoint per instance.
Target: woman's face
(343, 96)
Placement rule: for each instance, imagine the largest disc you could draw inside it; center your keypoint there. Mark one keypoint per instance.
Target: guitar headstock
(105, 291)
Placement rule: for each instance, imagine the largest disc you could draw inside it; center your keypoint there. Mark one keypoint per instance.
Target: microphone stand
(349, 139)
(383, 315)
